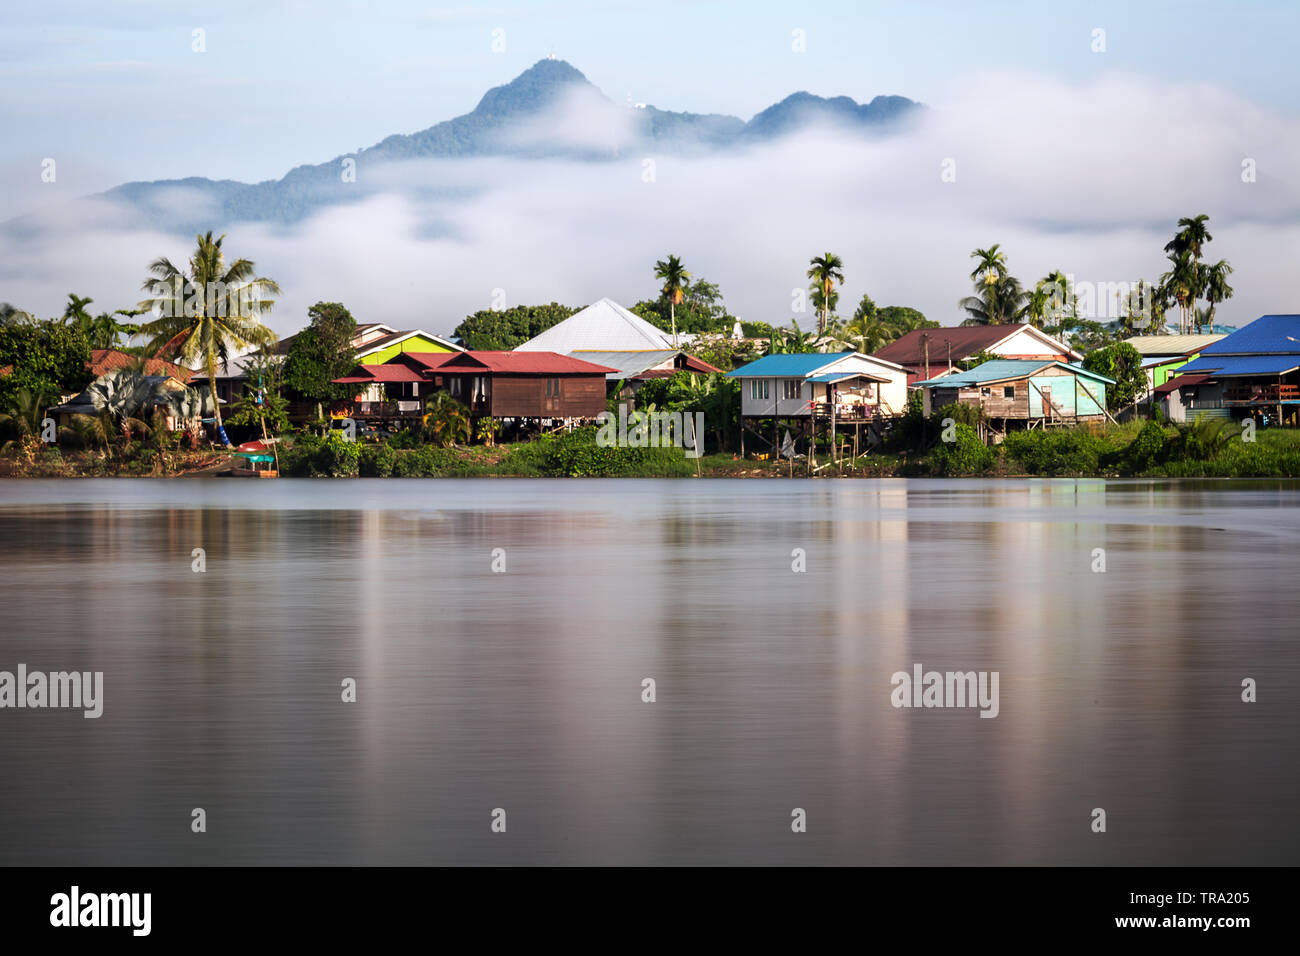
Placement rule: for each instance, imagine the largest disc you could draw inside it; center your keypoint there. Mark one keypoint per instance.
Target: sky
(1071, 157)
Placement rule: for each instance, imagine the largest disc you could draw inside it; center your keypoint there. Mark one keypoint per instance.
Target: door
(1048, 411)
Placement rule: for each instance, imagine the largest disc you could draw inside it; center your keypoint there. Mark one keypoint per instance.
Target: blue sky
(116, 93)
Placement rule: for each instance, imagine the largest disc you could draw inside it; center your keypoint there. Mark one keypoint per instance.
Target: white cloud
(1089, 179)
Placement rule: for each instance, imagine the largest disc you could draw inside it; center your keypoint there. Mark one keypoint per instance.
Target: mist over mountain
(551, 110)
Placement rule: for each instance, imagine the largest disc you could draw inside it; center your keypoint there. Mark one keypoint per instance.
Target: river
(500, 634)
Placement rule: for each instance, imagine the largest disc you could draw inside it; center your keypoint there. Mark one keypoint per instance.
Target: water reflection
(522, 689)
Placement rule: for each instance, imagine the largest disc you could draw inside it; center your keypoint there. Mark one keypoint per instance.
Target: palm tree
(445, 419)
(26, 414)
(996, 303)
(75, 314)
(1216, 287)
(674, 278)
(1188, 241)
(208, 312)
(1180, 285)
(991, 264)
(825, 270)
(872, 333)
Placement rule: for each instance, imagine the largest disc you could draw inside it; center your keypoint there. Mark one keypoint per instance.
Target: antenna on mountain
(551, 55)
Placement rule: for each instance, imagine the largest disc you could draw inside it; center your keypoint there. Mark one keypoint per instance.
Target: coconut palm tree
(825, 270)
(1216, 288)
(871, 333)
(206, 313)
(995, 303)
(674, 277)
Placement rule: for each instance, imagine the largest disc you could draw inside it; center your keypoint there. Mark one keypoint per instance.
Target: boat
(259, 460)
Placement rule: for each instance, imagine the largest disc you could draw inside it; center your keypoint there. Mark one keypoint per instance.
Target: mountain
(517, 119)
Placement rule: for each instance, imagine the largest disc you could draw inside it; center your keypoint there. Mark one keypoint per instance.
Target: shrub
(965, 455)
(1146, 449)
(1072, 451)
(377, 460)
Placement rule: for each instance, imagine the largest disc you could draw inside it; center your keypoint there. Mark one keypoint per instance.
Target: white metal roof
(602, 326)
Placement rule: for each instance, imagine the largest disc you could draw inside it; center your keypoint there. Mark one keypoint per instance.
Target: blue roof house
(1025, 392)
(1256, 368)
(848, 385)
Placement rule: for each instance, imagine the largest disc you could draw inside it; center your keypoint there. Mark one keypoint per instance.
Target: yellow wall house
(380, 350)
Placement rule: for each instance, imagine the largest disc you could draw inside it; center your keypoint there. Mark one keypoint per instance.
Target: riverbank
(1136, 449)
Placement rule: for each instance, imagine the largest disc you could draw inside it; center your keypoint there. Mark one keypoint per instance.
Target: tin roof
(788, 365)
(602, 326)
(1153, 345)
(1001, 370)
(1263, 364)
(1273, 334)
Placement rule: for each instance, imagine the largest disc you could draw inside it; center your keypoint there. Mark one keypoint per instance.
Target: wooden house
(516, 385)
(1023, 392)
(930, 353)
(1253, 372)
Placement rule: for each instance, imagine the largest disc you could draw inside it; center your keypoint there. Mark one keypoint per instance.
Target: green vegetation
(209, 312)
(321, 353)
(504, 329)
(825, 270)
(45, 358)
(1123, 363)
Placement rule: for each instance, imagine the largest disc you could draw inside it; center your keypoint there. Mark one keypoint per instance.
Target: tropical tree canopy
(209, 312)
(322, 352)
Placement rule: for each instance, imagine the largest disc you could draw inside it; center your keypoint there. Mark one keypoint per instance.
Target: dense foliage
(505, 329)
(1123, 363)
(47, 358)
(321, 353)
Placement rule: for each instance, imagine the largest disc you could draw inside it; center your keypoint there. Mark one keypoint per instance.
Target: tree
(999, 298)
(1216, 288)
(322, 352)
(866, 309)
(208, 312)
(825, 270)
(75, 314)
(1184, 250)
(24, 417)
(990, 266)
(905, 319)
(506, 329)
(1123, 363)
(46, 357)
(261, 405)
(445, 420)
(1180, 284)
(674, 278)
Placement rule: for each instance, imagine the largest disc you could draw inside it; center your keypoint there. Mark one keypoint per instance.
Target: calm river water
(479, 690)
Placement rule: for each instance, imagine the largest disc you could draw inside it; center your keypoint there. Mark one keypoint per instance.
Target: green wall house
(1023, 391)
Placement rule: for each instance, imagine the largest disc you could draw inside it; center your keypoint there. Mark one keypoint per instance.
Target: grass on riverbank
(1135, 449)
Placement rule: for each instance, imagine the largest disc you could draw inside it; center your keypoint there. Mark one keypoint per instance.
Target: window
(986, 392)
(792, 388)
(1008, 391)
(552, 388)
(758, 388)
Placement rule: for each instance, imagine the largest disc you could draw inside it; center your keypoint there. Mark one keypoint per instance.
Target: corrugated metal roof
(1171, 344)
(965, 340)
(1000, 370)
(831, 378)
(626, 362)
(602, 326)
(386, 372)
(1267, 334)
(523, 363)
(787, 365)
(1244, 364)
(1179, 381)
